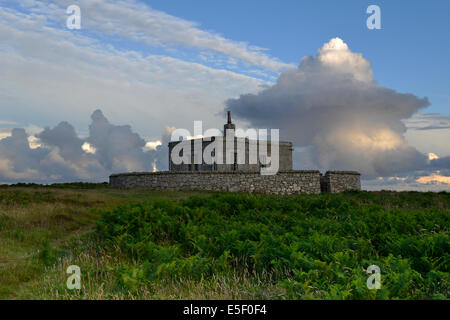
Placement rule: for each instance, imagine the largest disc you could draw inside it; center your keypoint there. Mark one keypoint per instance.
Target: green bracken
(202, 245)
(318, 247)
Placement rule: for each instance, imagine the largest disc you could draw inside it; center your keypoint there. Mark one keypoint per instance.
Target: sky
(80, 104)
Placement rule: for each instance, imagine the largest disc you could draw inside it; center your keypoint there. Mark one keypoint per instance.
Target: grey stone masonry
(241, 175)
(244, 153)
(338, 181)
(288, 182)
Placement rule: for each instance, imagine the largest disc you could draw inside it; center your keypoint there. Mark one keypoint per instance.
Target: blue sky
(409, 54)
(159, 65)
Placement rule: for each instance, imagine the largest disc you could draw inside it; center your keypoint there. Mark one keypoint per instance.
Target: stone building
(250, 162)
(235, 167)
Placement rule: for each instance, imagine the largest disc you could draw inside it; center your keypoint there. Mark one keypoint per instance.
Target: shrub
(315, 246)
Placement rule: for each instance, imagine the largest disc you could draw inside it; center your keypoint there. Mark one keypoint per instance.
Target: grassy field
(205, 245)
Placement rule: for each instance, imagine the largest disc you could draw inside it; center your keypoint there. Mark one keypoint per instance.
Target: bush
(315, 246)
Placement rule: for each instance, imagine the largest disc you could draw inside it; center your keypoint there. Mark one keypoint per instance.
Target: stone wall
(289, 182)
(338, 181)
(239, 145)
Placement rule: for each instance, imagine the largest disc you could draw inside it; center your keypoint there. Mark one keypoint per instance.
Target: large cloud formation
(63, 156)
(331, 107)
(48, 71)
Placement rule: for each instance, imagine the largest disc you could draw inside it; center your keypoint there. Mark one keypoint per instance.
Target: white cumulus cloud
(337, 115)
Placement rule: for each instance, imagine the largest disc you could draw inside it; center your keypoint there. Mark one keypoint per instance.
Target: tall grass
(312, 247)
(38, 225)
(200, 245)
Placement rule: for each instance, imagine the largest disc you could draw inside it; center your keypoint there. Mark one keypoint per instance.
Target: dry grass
(99, 282)
(45, 230)
(32, 217)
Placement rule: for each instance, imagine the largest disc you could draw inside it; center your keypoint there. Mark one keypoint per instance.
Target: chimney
(229, 125)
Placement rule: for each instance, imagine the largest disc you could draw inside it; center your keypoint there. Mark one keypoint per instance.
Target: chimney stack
(229, 125)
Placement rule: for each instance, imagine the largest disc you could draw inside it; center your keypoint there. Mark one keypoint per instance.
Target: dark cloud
(441, 164)
(60, 156)
(117, 147)
(427, 121)
(433, 128)
(331, 107)
(17, 159)
(65, 138)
